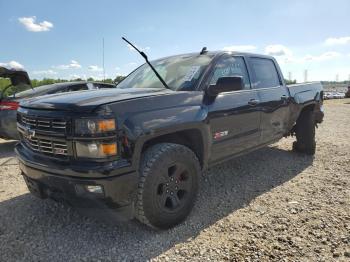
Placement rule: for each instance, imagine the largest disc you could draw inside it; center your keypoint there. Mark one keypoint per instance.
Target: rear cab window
(264, 72)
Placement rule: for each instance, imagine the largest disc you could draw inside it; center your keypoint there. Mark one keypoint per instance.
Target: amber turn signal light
(109, 149)
(106, 125)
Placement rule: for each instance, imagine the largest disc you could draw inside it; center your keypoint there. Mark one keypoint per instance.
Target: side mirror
(225, 84)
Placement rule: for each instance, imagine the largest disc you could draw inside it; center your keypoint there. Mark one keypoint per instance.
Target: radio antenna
(146, 58)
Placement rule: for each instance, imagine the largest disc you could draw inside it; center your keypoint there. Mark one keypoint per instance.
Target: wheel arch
(191, 138)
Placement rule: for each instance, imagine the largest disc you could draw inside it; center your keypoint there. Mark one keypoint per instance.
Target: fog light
(94, 189)
(93, 148)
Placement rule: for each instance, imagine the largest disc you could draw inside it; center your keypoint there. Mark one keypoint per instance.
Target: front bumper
(116, 200)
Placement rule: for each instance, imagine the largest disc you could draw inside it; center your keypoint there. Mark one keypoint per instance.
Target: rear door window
(264, 72)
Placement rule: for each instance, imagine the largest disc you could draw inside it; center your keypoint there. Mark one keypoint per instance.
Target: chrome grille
(46, 146)
(45, 124)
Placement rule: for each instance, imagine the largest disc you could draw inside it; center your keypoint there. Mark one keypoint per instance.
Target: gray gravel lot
(272, 204)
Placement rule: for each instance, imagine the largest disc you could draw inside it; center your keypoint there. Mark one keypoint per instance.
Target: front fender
(143, 126)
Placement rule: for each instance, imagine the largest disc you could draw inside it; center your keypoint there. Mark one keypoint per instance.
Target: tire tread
(150, 156)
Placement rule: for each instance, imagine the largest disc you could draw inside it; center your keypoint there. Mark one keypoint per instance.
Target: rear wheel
(169, 176)
(305, 133)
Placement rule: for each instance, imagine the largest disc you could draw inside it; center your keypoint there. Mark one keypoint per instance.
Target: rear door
(234, 117)
(273, 95)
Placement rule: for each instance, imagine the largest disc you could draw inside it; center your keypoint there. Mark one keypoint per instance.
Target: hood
(16, 76)
(83, 101)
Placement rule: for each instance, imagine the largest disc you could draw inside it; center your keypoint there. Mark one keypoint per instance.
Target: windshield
(179, 73)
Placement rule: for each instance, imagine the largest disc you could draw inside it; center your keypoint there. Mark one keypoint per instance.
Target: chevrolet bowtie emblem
(29, 133)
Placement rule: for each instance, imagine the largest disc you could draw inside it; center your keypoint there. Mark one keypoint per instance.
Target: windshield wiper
(151, 66)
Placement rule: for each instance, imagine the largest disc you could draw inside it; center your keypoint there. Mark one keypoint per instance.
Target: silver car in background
(20, 81)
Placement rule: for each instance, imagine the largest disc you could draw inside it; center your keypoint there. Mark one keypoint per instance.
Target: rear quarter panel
(303, 95)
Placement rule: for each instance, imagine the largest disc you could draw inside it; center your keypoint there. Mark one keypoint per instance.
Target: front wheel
(168, 185)
(305, 133)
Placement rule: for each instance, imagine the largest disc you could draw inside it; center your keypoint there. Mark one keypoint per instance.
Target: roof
(218, 53)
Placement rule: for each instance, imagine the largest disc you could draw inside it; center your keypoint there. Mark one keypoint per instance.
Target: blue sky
(64, 38)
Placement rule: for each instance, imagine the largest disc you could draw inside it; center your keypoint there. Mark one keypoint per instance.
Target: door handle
(284, 97)
(253, 102)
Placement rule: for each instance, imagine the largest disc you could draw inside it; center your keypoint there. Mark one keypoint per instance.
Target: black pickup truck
(139, 150)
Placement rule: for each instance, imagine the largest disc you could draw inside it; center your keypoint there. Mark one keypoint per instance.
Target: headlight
(94, 149)
(94, 126)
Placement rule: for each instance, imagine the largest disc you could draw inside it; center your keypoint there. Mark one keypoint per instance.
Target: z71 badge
(221, 134)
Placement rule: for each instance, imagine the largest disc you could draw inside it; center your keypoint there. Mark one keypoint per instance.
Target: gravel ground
(270, 205)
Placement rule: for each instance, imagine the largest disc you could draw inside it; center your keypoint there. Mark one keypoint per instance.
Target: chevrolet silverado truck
(139, 150)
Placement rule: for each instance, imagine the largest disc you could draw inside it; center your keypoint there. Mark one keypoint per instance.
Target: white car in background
(328, 95)
(338, 95)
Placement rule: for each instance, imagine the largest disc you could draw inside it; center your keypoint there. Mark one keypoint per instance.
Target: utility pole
(305, 75)
(103, 57)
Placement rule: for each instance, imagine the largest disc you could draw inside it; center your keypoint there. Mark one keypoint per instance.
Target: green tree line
(4, 82)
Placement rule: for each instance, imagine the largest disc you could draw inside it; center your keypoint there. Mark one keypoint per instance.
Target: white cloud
(99, 77)
(139, 47)
(95, 68)
(338, 40)
(278, 50)
(75, 76)
(12, 65)
(72, 65)
(44, 72)
(325, 56)
(30, 25)
(308, 58)
(117, 68)
(240, 48)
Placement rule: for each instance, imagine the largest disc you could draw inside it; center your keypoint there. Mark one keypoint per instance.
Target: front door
(234, 117)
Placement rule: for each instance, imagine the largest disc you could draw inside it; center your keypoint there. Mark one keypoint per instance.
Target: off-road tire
(160, 162)
(305, 133)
